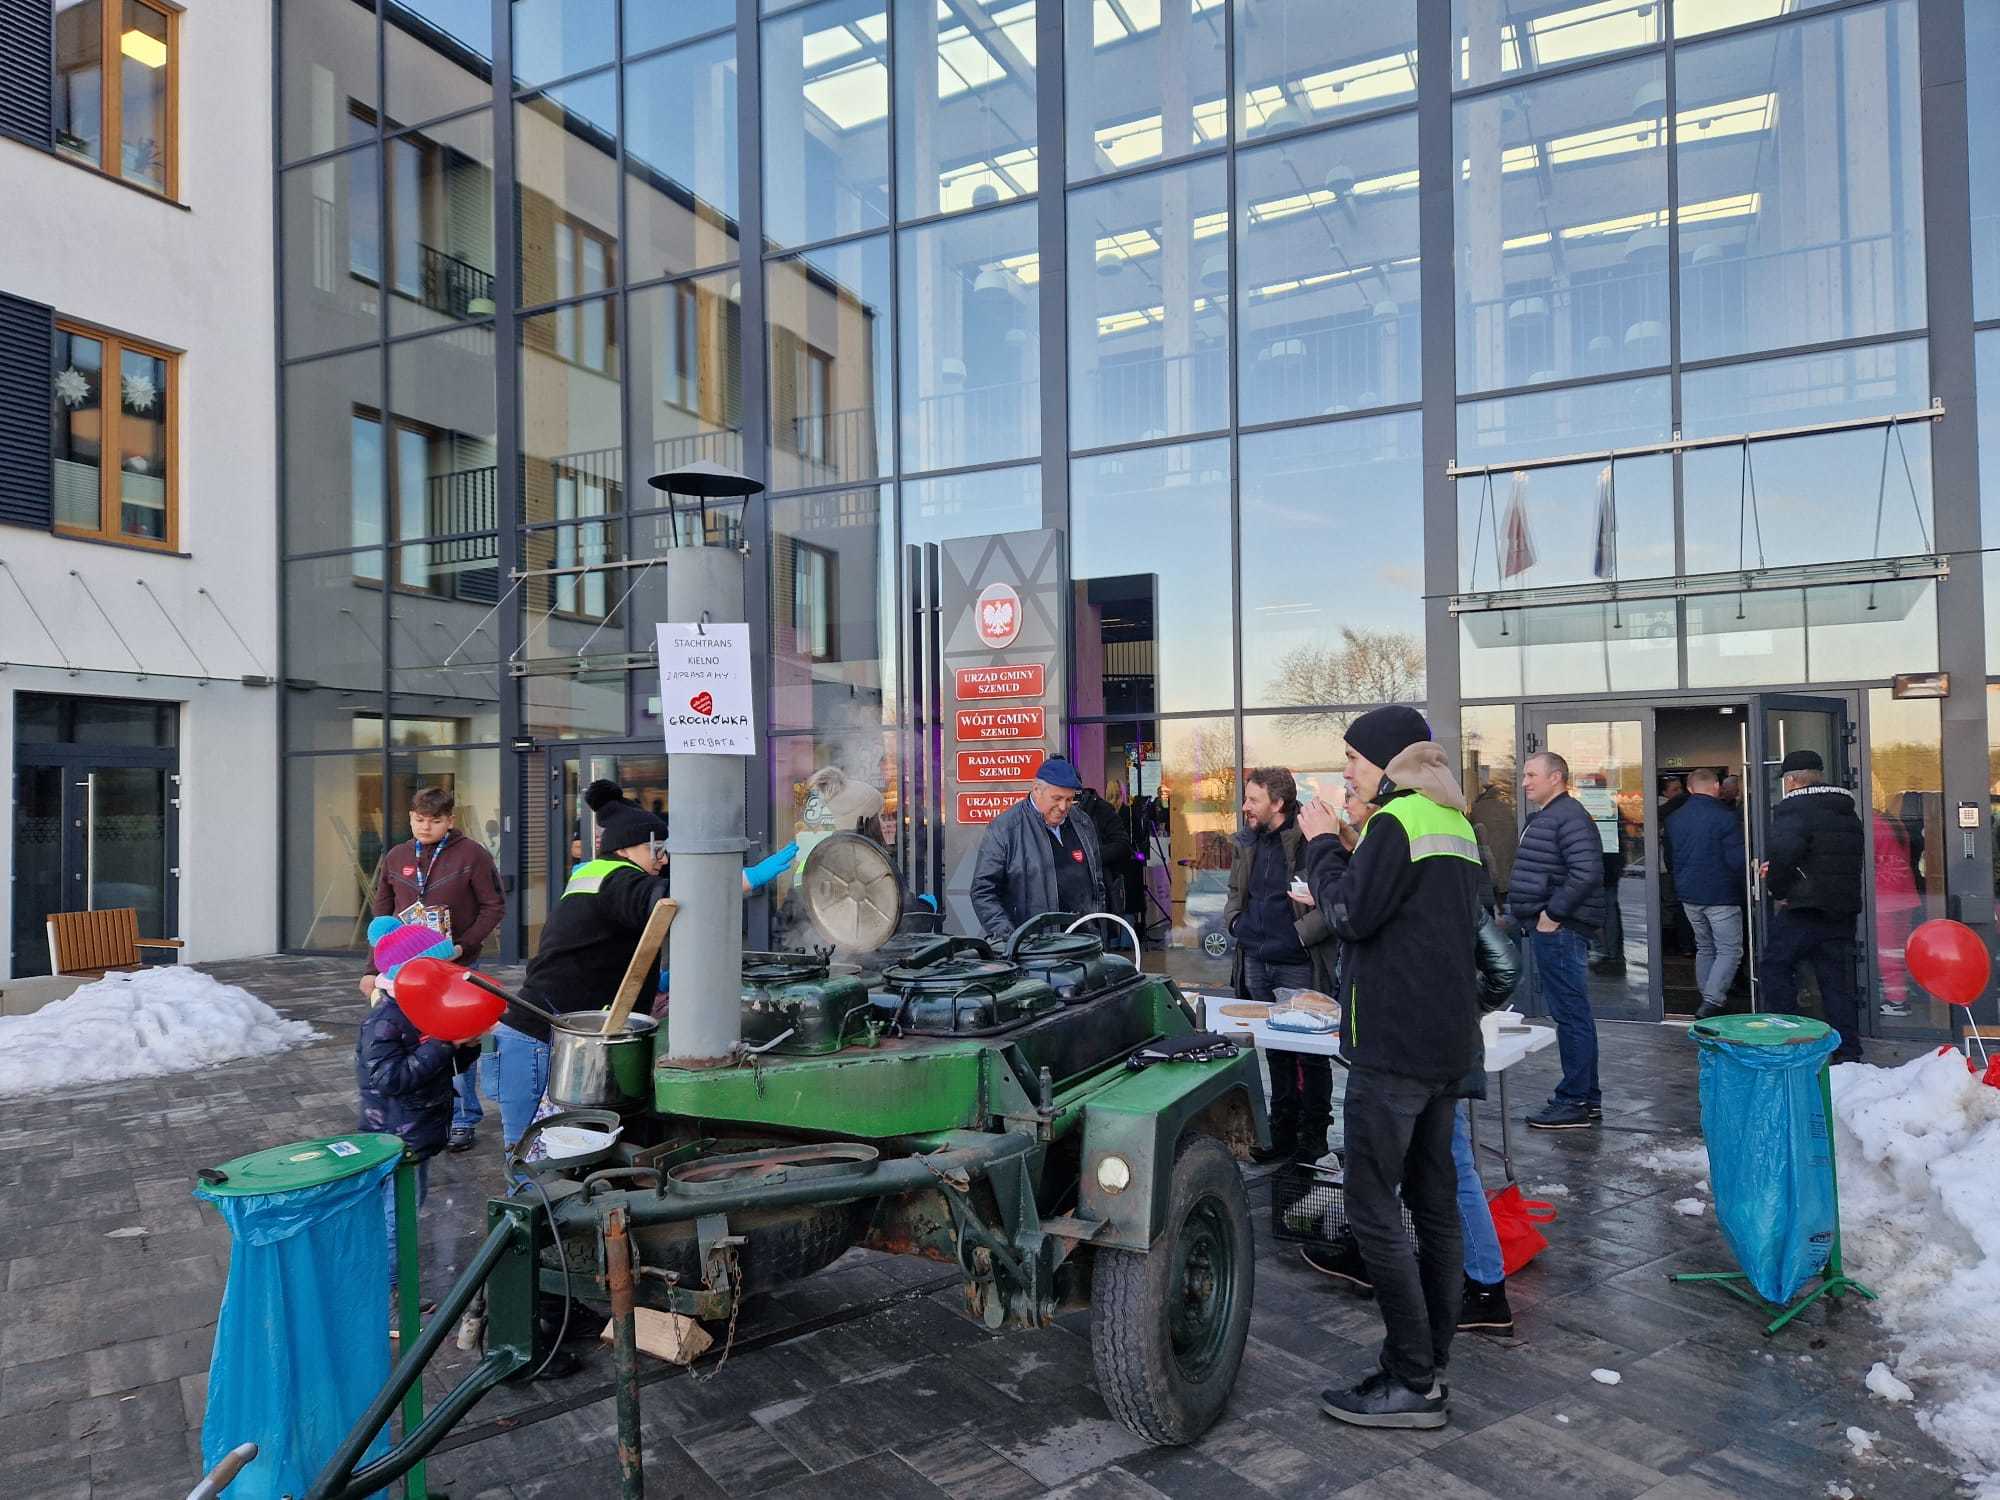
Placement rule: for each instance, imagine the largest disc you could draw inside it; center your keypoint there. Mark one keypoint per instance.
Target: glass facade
(1332, 410)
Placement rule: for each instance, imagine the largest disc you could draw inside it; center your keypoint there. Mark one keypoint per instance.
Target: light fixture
(1646, 244)
(984, 194)
(1920, 685)
(1215, 272)
(1340, 180)
(141, 48)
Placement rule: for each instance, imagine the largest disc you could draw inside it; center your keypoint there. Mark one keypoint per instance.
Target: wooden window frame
(110, 405)
(111, 103)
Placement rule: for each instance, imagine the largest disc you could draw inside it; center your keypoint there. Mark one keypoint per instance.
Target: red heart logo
(702, 703)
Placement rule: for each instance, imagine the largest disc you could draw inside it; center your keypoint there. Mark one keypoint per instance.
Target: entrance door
(1610, 756)
(1779, 724)
(641, 774)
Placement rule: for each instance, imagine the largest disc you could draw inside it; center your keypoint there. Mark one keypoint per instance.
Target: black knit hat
(1381, 734)
(621, 822)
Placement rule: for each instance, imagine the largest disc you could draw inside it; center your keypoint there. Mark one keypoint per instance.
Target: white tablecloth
(1502, 1052)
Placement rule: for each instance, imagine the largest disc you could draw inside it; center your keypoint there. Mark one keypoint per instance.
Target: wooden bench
(96, 943)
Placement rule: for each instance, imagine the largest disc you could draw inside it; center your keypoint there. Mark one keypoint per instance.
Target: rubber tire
(1130, 1341)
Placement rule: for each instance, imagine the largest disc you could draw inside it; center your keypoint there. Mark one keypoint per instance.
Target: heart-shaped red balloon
(442, 1002)
(1948, 959)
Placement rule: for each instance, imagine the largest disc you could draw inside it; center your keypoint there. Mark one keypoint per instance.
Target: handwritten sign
(976, 725)
(984, 684)
(705, 697)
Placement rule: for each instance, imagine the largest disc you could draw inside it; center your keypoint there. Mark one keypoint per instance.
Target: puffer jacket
(1704, 845)
(1014, 873)
(1816, 852)
(1559, 868)
(404, 1080)
(1313, 934)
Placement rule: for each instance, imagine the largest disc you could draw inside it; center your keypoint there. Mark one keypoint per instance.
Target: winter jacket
(588, 939)
(463, 880)
(1114, 833)
(1493, 820)
(1406, 911)
(1308, 928)
(1705, 847)
(1014, 873)
(1816, 851)
(404, 1080)
(1559, 868)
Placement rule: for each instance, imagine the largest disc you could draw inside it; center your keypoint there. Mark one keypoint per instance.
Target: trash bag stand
(1834, 1280)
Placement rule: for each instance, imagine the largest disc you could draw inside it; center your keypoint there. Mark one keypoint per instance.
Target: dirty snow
(1692, 1208)
(1887, 1386)
(1838, 1490)
(1606, 1377)
(1919, 1152)
(139, 1025)
(1676, 1160)
(1549, 1190)
(1860, 1440)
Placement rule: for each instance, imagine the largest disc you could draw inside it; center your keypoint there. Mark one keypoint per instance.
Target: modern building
(138, 443)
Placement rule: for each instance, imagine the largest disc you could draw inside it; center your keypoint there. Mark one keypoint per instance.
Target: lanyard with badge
(437, 918)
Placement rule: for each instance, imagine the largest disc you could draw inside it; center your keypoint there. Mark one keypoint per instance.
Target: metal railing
(1146, 394)
(963, 426)
(1325, 370)
(451, 286)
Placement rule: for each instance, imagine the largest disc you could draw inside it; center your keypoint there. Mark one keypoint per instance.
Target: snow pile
(1549, 1190)
(1919, 1156)
(1887, 1386)
(1606, 1377)
(139, 1025)
(1860, 1440)
(1676, 1160)
(1692, 1208)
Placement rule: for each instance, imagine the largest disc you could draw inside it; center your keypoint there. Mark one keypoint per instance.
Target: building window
(114, 460)
(813, 571)
(127, 130)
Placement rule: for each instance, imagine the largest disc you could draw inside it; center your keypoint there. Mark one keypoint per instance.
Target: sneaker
(1559, 1116)
(1341, 1260)
(1384, 1401)
(1485, 1309)
(461, 1139)
(1709, 1009)
(1595, 1111)
(1263, 1156)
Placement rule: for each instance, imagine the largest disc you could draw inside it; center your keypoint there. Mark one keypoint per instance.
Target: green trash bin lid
(1762, 1030)
(303, 1164)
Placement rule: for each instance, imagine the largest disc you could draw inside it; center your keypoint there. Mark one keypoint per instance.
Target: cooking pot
(588, 1070)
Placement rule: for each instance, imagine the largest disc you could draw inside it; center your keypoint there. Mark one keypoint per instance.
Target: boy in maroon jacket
(447, 882)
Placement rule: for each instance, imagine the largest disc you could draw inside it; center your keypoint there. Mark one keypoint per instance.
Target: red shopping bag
(1515, 1221)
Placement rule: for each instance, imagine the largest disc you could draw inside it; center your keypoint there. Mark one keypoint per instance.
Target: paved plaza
(865, 1380)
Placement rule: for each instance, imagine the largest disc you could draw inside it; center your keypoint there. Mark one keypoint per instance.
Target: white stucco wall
(199, 279)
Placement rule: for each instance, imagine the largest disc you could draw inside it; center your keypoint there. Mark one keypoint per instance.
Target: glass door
(1779, 724)
(1610, 756)
(572, 833)
(86, 838)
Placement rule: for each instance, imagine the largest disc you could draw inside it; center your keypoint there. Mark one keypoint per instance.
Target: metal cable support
(235, 632)
(85, 583)
(205, 673)
(73, 668)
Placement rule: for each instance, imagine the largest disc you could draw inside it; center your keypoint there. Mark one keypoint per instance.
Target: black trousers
(1301, 1083)
(1399, 1136)
(1827, 943)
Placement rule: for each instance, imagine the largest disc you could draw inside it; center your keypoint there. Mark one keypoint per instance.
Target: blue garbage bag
(303, 1341)
(1770, 1158)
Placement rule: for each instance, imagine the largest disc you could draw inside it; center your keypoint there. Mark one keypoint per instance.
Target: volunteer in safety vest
(1403, 898)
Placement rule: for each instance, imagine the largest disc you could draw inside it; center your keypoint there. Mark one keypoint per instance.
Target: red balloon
(442, 1002)
(1948, 959)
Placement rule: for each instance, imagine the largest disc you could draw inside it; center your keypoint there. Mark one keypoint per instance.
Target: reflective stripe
(585, 879)
(1443, 843)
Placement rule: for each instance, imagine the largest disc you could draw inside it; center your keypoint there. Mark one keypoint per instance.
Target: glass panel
(572, 615)
(1149, 307)
(573, 461)
(1293, 68)
(1982, 130)
(1692, 17)
(473, 779)
(444, 643)
(649, 24)
(440, 56)
(1537, 527)
(441, 224)
(971, 306)
(142, 41)
(1823, 498)
(1553, 424)
(681, 164)
(1311, 745)
(555, 38)
(1332, 604)
(1151, 576)
(79, 431)
(866, 756)
(1912, 841)
(686, 374)
(332, 256)
(120, 721)
(1607, 775)
(333, 453)
(443, 472)
(1570, 648)
(1497, 39)
(566, 153)
(1327, 257)
(992, 502)
(829, 314)
(125, 834)
(833, 592)
(1561, 198)
(333, 847)
(38, 865)
(333, 652)
(1742, 640)
(1871, 630)
(1486, 770)
(1801, 189)
(79, 84)
(328, 60)
(143, 424)
(1986, 350)
(1144, 81)
(826, 121)
(965, 104)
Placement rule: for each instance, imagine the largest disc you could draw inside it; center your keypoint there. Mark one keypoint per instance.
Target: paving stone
(966, 1468)
(744, 1458)
(1069, 1443)
(1522, 1456)
(883, 1476)
(44, 1383)
(1106, 1484)
(137, 1417)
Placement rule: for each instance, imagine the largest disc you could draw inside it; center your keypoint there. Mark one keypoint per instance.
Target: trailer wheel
(1167, 1326)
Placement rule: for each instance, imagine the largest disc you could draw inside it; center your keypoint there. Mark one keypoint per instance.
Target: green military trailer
(1043, 1116)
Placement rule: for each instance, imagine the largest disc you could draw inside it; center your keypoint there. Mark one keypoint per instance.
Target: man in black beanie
(1402, 896)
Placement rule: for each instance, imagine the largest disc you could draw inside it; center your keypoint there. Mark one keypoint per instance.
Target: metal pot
(588, 1070)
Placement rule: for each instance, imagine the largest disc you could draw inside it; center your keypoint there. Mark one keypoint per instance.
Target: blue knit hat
(1057, 771)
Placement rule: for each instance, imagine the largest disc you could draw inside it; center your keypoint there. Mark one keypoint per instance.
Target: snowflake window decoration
(140, 392)
(71, 388)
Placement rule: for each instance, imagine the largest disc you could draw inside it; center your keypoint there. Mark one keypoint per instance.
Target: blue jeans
(1559, 963)
(523, 1079)
(1483, 1262)
(423, 1170)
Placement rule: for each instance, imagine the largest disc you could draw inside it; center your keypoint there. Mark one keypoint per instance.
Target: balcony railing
(1326, 370)
(969, 424)
(453, 286)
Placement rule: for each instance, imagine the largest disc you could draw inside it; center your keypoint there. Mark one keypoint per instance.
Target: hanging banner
(705, 694)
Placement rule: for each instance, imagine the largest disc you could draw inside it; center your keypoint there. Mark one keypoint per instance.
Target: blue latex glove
(928, 899)
(663, 982)
(768, 869)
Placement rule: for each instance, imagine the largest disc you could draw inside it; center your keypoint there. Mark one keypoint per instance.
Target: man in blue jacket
(1705, 847)
(1557, 897)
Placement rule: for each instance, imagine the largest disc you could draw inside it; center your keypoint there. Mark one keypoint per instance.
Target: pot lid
(852, 894)
(1057, 947)
(952, 975)
(783, 968)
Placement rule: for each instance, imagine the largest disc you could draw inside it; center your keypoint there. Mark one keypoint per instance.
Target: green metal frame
(409, 1307)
